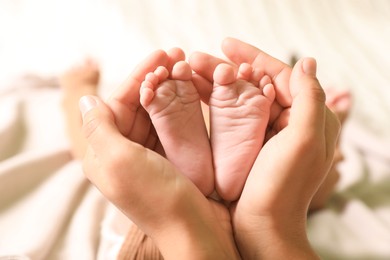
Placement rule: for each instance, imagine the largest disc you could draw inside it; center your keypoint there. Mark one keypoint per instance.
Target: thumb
(308, 110)
(99, 126)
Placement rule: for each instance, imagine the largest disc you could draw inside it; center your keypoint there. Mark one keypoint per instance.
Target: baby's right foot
(174, 107)
(239, 113)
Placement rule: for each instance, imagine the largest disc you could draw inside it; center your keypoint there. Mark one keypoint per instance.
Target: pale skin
(207, 223)
(340, 102)
(239, 111)
(173, 104)
(277, 211)
(182, 211)
(270, 235)
(239, 52)
(83, 79)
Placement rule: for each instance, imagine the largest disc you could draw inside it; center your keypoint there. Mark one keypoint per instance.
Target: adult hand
(270, 215)
(122, 172)
(144, 185)
(289, 169)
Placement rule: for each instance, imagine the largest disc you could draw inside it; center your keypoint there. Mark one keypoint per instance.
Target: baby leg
(239, 113)
(80, 80)
(174, 108)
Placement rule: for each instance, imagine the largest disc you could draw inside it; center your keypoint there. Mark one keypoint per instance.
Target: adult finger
(332, 132)
(128, 92)
(116, 163)
(175, 55)
(124, 102)
(203, 86)
(240, 52)
(308, 110)
(98, 124)
(122, 170)
(203, 65)
(105, 147)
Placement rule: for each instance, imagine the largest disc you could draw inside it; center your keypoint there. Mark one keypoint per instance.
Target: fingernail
(86, 103)
(309, 66)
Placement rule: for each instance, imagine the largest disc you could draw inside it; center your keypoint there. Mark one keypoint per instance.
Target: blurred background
(350, 39)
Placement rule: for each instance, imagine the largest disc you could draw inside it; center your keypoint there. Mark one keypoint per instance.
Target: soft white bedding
(49, 211)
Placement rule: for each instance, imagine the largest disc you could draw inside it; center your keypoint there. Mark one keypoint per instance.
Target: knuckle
(317, 93)
(90, 126)
(89, 165)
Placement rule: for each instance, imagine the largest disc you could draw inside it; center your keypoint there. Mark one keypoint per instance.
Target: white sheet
(49, 211)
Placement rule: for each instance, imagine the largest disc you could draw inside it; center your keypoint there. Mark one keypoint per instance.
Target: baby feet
(173, 104)
(239, 112)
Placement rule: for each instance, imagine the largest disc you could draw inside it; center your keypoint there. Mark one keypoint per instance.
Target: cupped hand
(294, 161)
(267, 221)
(288, 171)
(123, 162)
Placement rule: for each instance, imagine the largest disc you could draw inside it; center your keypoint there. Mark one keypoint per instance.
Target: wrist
(268, 237)
(190, 242)
(196, 230)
